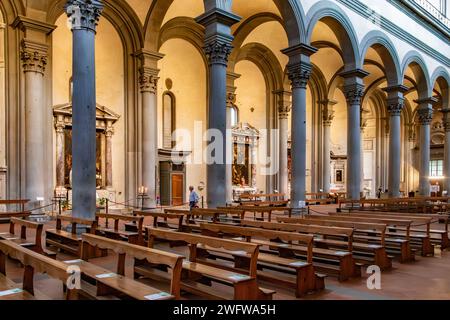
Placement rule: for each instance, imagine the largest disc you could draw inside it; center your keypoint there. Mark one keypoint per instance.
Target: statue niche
(105, 120)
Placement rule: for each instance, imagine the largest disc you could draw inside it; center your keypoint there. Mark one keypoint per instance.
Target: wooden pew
(437, 236)
(318, 198)
(426, 246)
(117, 284)
(68, 241)
(134, 237)
(335, 263)
(305, 279)
(22, 239)
(200, 272)
(164, 216)
(262, 210)
(21, 213)
(404, 250)
(362, 252)
(33, 263)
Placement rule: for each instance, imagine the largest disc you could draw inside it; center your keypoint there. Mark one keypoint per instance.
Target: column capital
(217, 49)
(425, 116)
(299, 74)
(148, 79)
(283, 103)
(60, 125)
(109, 129)
(231, 99)
(395, 99)
(327, 111)
(34, 56)
(354, 93)
(83, 14)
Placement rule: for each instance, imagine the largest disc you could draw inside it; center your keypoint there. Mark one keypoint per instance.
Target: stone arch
(414, 60)
(388, 54)
(10, 9)
(339, 22)
(290, 10)
(183, 28)
(442, 78)
(245, 28)
(266, 61)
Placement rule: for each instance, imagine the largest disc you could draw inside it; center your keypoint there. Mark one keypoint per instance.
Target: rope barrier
(43, 207)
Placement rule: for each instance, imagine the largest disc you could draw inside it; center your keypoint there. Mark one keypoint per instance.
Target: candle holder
(142, 195)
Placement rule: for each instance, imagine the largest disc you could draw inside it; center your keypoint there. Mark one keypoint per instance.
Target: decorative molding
(217, 51)
(34, 56)
(84, 14)
(385, 24)
(148, 80)
(299, 74)
(354, 93)
(425, 116)
(25, 23)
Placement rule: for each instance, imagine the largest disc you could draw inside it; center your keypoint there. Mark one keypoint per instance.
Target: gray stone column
(83, 16)
(284, 108)
(425, 112)
(354, 91)
(218, 38)
(109, 132)
(395, 106)
(363, 129)
(34, 60)
(446, 120)
(60, 145)
(328, 117)
(299, 71)
(148, 82)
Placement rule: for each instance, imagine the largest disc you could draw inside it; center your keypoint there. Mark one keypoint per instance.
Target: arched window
(234, 114)
(168, 119)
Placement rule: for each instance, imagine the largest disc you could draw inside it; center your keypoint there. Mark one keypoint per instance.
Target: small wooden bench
(332, 262)
(362, 252)
(200, 272)
(22, 239)
(305, 280)
(116, 284)
(116, 233)
(68, 241)
(33, 263)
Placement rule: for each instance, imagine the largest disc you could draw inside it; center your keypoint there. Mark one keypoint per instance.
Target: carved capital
(148, 80)
(217, 51)
(83, 14)
(60, 125)
(231, 99)
(299, 74)
(34, 56)
(425, 116)
(395, 106)
(354, 93)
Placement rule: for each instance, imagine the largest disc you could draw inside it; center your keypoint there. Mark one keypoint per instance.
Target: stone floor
(427, 278)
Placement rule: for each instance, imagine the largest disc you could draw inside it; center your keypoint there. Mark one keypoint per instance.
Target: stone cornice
(425, 116)
(148, 58)
(218, 16)
(24, 23)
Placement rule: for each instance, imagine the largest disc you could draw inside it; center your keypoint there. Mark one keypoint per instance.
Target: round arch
(333, 16)
(291, 12)
(414, 61)
(442, 78)
(387, 52)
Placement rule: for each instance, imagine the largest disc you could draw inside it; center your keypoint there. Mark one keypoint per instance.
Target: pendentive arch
(386, 50)
(332, 15)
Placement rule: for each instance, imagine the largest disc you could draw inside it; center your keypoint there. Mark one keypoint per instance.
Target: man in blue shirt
(193, 198)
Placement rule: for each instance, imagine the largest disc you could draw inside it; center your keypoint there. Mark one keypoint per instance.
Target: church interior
(331, 119)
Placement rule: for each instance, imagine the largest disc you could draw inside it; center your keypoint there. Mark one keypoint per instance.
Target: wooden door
(177, 189)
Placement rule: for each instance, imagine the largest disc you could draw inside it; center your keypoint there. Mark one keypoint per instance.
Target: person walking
(193, 198)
